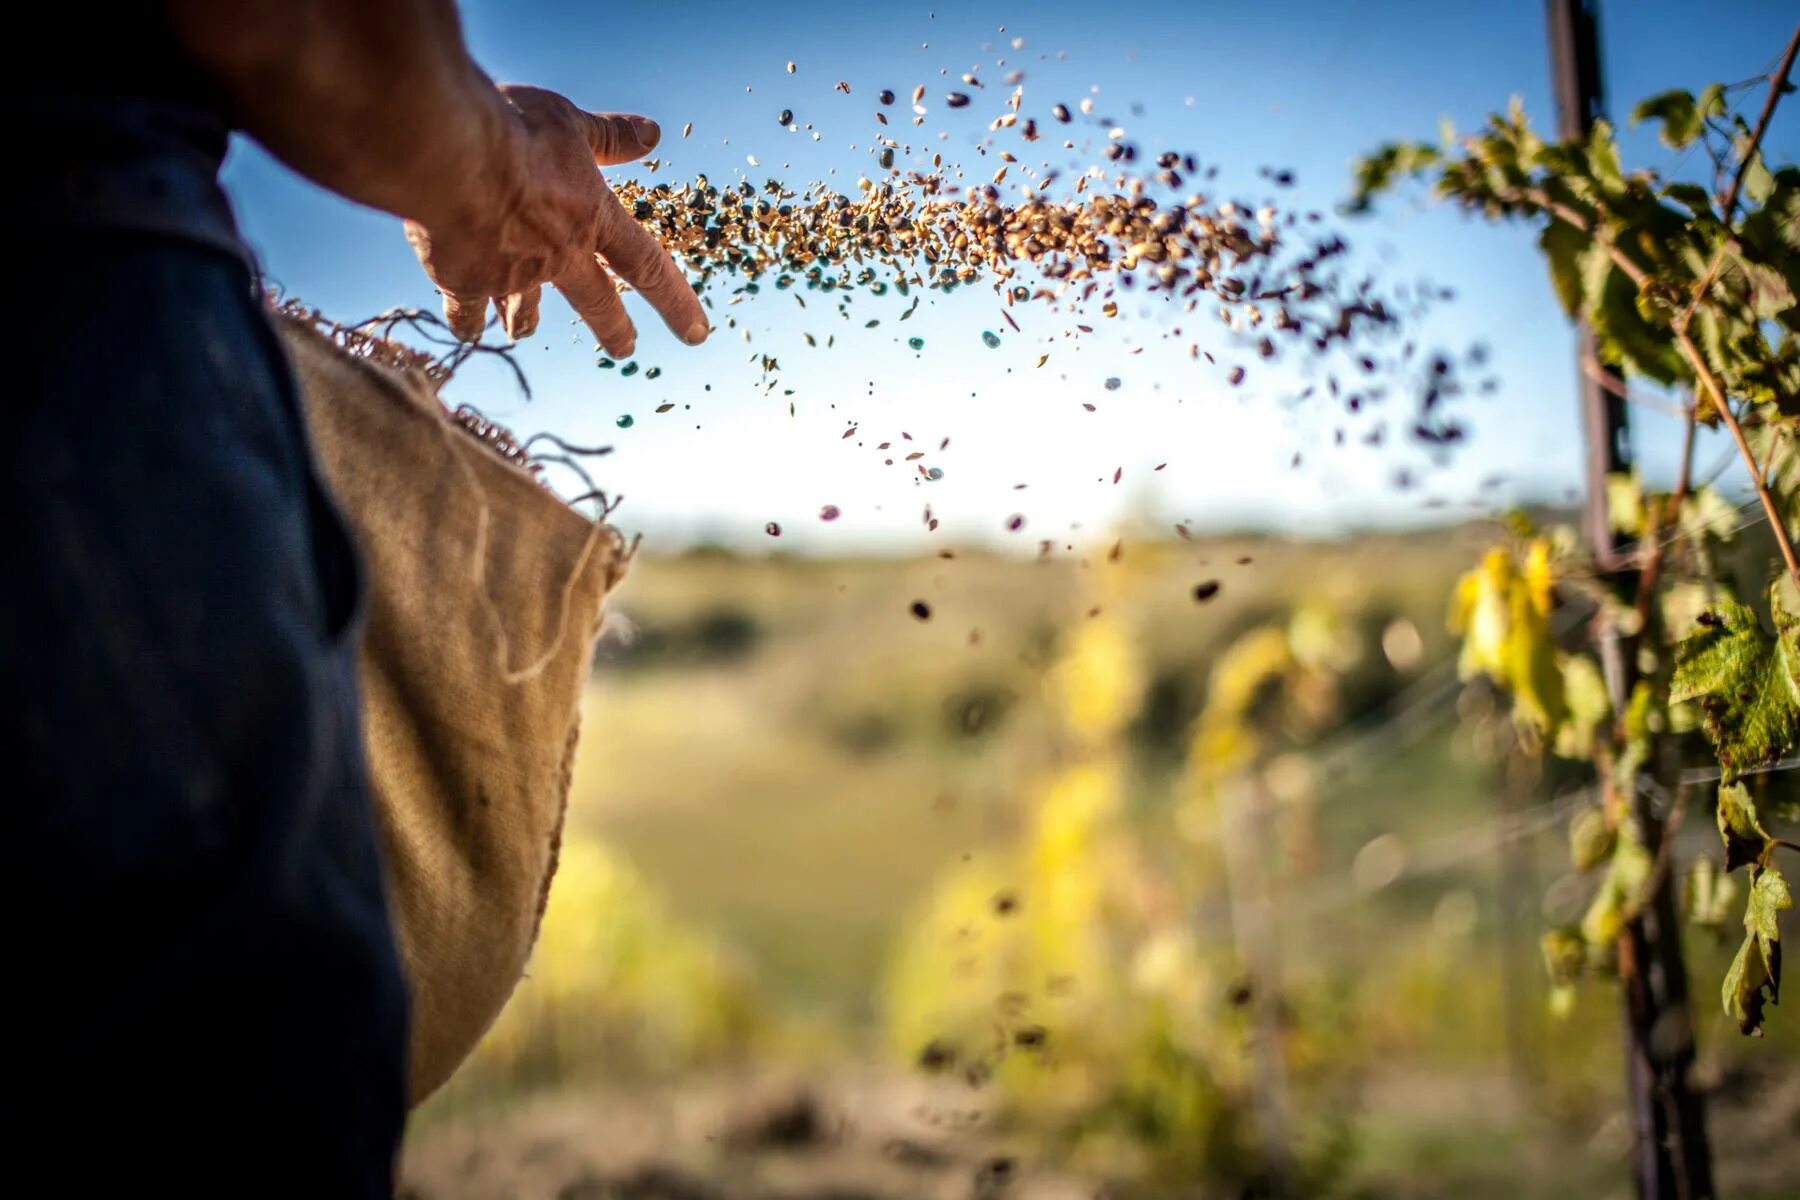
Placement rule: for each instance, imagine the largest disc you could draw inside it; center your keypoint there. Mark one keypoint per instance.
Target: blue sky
(1301, 85)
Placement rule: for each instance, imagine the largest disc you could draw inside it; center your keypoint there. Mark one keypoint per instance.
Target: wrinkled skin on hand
(549, 217)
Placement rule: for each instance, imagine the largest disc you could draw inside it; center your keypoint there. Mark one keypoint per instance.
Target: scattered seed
(937, 1056)
(1206, 591)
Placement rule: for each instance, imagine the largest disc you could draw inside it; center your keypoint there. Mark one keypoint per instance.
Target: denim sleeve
(189, 839)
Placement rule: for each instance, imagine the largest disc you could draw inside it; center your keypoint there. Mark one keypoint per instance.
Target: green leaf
(1759, 183)
(1588, 705)
(1563, 245)
(1755, 975)
(1679, 114)
(1383, 169)
(1706, 515)
(1776, 444)
(1640, 711)
(1617, 900)
(1709, 893)
(1745, 838)
(1625, 336)
(1590, 839)
(1603, 158)
(1625, 503)
(1769, 292)
(1746, 683)
(1565, 953)
(1691, 196)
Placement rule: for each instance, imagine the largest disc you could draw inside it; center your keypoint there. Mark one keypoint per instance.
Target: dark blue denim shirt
(112, 128)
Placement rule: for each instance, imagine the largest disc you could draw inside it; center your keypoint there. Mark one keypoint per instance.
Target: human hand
(547, 216)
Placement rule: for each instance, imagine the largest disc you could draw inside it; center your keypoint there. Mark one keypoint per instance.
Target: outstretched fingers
(618, 137)
(466, 315)
(519, 312)
(640, 260)
(590, 292)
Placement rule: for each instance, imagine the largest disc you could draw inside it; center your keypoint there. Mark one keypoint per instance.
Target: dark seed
(786, 117)
(1015, 522)
(1005, 904)
(829, 513)
(921, 610)
(1060, 112)
(997, 1169)
(772, 529)
(1206, 591)
(886, 96)
(936, 1056)
(957, 100)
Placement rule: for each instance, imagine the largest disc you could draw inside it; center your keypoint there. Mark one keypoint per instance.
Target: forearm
(377, 100)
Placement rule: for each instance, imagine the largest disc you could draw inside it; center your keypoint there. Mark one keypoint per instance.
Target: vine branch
(1696, 361)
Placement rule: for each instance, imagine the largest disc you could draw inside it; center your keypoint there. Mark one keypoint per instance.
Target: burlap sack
(485, 593)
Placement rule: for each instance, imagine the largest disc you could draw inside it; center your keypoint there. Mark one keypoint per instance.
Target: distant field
(790, 756)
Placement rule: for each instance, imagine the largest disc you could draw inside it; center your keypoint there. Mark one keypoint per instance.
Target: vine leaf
(1707, 514)
(1625, 503)
(1682, 116)
(1565, 955)
(1502, 609)
(1584, 691)
(1746, 841)
(1590, 839)
(1710, 892)
(1617, 900)
(1757, 968)
(1746, 683)
(1562, 245)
